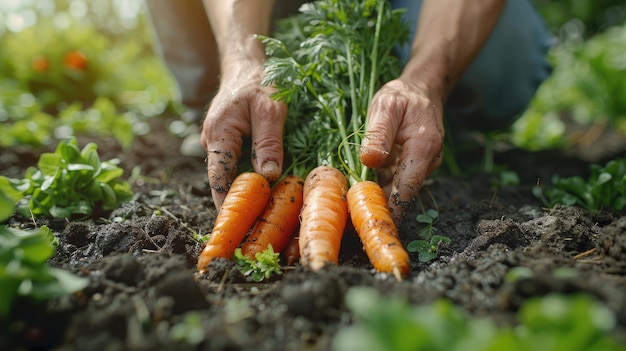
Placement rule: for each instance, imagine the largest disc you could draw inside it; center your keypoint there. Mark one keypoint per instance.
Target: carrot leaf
(326, 63)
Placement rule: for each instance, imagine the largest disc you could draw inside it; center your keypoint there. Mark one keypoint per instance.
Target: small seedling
(189, 330)
(427, 249)
(430, 217)
(428, 246)
(265, 264)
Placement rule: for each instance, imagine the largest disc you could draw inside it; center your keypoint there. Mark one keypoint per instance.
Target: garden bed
(143, 293)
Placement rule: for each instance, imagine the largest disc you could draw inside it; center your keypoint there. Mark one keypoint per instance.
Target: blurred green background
(74, 66)
(78, 66)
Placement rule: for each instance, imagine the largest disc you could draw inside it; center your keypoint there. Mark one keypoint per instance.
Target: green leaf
(418, 246)
(56, 282)
(36, 246)
(68, 150)
(425, 256)
(6, 206)
(432, 213)
(8, 291)
(80, 167)
(24, 269)
(50, 163)
(436, 239)
(424, 218)
(108, 194)
(109, 174)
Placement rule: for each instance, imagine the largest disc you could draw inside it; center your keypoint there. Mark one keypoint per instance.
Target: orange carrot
(373, 222)
(323, 217)
(279, 220)
(292, 251)
(245, 201)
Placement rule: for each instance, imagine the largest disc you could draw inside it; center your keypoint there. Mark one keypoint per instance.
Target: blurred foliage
(81, 66)
(588, 85)
(604, 189)
(583, 17)
(550, 322)
(23, 263)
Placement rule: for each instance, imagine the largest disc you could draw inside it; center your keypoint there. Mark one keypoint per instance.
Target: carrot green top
(326, 64)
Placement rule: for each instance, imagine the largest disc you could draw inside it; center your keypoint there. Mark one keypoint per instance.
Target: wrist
(236, 67)
(429, 73)
(242, 55)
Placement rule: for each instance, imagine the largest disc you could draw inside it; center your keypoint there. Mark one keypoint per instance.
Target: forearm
(449, 35)
(234, 24)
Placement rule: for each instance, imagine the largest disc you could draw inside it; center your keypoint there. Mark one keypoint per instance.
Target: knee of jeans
(504, 77)
(495, 104)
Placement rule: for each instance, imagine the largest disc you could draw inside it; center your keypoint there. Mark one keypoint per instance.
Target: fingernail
(270, 168)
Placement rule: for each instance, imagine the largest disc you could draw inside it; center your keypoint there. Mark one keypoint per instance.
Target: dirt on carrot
(324, 216)
(247, 198)
(279, 221)
(373, 222)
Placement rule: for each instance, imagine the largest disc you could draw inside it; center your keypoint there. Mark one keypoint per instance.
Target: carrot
(245, 201)
(373, 222)
(292, 251)
(279, 220)
(323, 217)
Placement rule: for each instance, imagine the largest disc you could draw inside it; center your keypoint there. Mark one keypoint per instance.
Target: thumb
(267, 121)
(382, 125)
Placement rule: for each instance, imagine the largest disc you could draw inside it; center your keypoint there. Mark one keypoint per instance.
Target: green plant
(552, 322)
(265, 264)
(328, 71)
(588, 16)
(588, 84)
(23, 268)
(68, 182)
(326, 64)
(189, 330)
(64, 79)
(428, 246)
(605, 188)
(101, 118)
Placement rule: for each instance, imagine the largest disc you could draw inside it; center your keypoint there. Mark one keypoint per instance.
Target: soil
(141, 266)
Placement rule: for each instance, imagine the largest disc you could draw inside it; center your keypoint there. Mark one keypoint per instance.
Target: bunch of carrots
(326, 69)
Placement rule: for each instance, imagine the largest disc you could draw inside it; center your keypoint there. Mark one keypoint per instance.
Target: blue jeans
(494, 90)
(504, 76)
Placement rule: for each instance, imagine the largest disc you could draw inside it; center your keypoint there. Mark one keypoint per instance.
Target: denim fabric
(492, 92)
(506, 73)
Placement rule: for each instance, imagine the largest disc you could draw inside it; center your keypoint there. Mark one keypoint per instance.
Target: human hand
(242, 108)
(404, 137)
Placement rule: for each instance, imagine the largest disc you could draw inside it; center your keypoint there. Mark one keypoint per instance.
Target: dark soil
(141, 265)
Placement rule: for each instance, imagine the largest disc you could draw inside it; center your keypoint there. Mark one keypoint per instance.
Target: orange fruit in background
(75, 59)
(41, 64)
